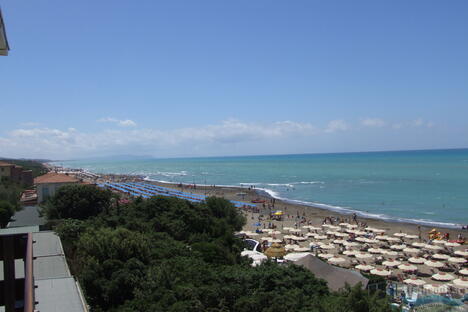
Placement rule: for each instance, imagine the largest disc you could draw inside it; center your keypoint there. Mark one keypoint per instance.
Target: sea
(427, 187)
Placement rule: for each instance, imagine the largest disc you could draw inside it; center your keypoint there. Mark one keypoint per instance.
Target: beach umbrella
(334, 227)
(295, 231)
(339, 234)
(360, 233)
(327, 246)
(461, 253)
(336, 260)
(331, 232)
(456, 260)
(416, 260)
(376, 250)
(452, 244)
(399, 234)
(434, 264)
(463, 271)
(276, 240)
(442, 276)
(432, 247)
(287, 228)
(382, 237)
(410, 250)
(419, 245)
(350, 231)
(391, 263)
(320, 237)
(411, 236)
(294, 256)
(302, 249)
(361, 239)
(307, 227)
(363, 255)
(310, 234)
(291, 246)
(364, 267)
(350, 252)
(407, 267)
(392, 239)
(275, 232)
(266, 239)
(391, 253)
(288, 236)
(439, 256)
(344, 224)
(339, 241)
(380, 272)
(314, 228)
(463, 282)
(300, 238)
(352, 226)
(325, 255)
(351, 244)
(436, 288)
(414, 281)
(326, 225)
(372, 241)
(398, 247)
(438, 242)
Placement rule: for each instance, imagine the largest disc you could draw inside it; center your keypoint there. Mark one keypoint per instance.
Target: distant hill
(28, 164)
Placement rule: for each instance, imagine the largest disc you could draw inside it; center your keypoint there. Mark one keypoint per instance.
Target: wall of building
(5, 171)
(46, 190)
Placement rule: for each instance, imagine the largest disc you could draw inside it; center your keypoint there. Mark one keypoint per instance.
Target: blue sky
(203, 78)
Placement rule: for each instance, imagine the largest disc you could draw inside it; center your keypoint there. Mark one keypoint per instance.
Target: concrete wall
(45, 190)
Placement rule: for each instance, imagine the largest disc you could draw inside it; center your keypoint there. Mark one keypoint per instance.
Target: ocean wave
(309, 182)
(171, 174)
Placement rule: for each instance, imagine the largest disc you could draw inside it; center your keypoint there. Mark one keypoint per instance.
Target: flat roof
(59, 294)
(4, 48)
(20, 230)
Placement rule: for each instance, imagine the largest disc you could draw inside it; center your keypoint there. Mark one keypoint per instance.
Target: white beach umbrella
(350, 231)
(391, 253)
(376, 250)
(411, 236)
(287, 228)
(307, 227)
(452, 244)
(310, 234)
(275, 232)
(363, 255)
(320, 237)
(463, 271)
(268, 239)
(407, 267)
(399, 234)
(456, 260)
(339, 241)
(325, 255)
(439, 256)
(416, 260)
(398, 247)
(288, 236)
(339, 234)
(382, 237)
(334, 227)
(327, 246)
(419, 245)
(411, 250)
(276, 240)
(361, 239)
(326, 225)
(442, 276)
(291, 246)
(391, 263)
(300, 238)
(314, 228)
(360, 233)
(432, 247)
(434, 264)
(294, 256)
(351, 244)
(344, 224)
(436, 288)
(463, 282)
(372, 241)
(381, 272)
(364, 267)
(336, 260)
(352, 226)
(414, 281)
(392, 239)
(267, 230)
(461, 253)
(438, 242)
(302, 249)
(350, 252)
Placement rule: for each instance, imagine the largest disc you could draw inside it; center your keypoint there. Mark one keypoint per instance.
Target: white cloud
(122, 123)
(373, 122)
(419, 122)
(336, 125)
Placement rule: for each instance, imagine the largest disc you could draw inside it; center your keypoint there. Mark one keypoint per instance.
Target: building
(16, 173)
(49, 183)
(4, 48)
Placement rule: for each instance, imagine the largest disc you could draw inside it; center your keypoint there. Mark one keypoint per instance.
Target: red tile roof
(55, 178)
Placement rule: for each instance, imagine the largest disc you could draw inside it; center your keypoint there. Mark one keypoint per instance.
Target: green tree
(77, 201)
(6, 212)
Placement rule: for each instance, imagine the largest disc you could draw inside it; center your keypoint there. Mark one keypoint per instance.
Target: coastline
(313, 213)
